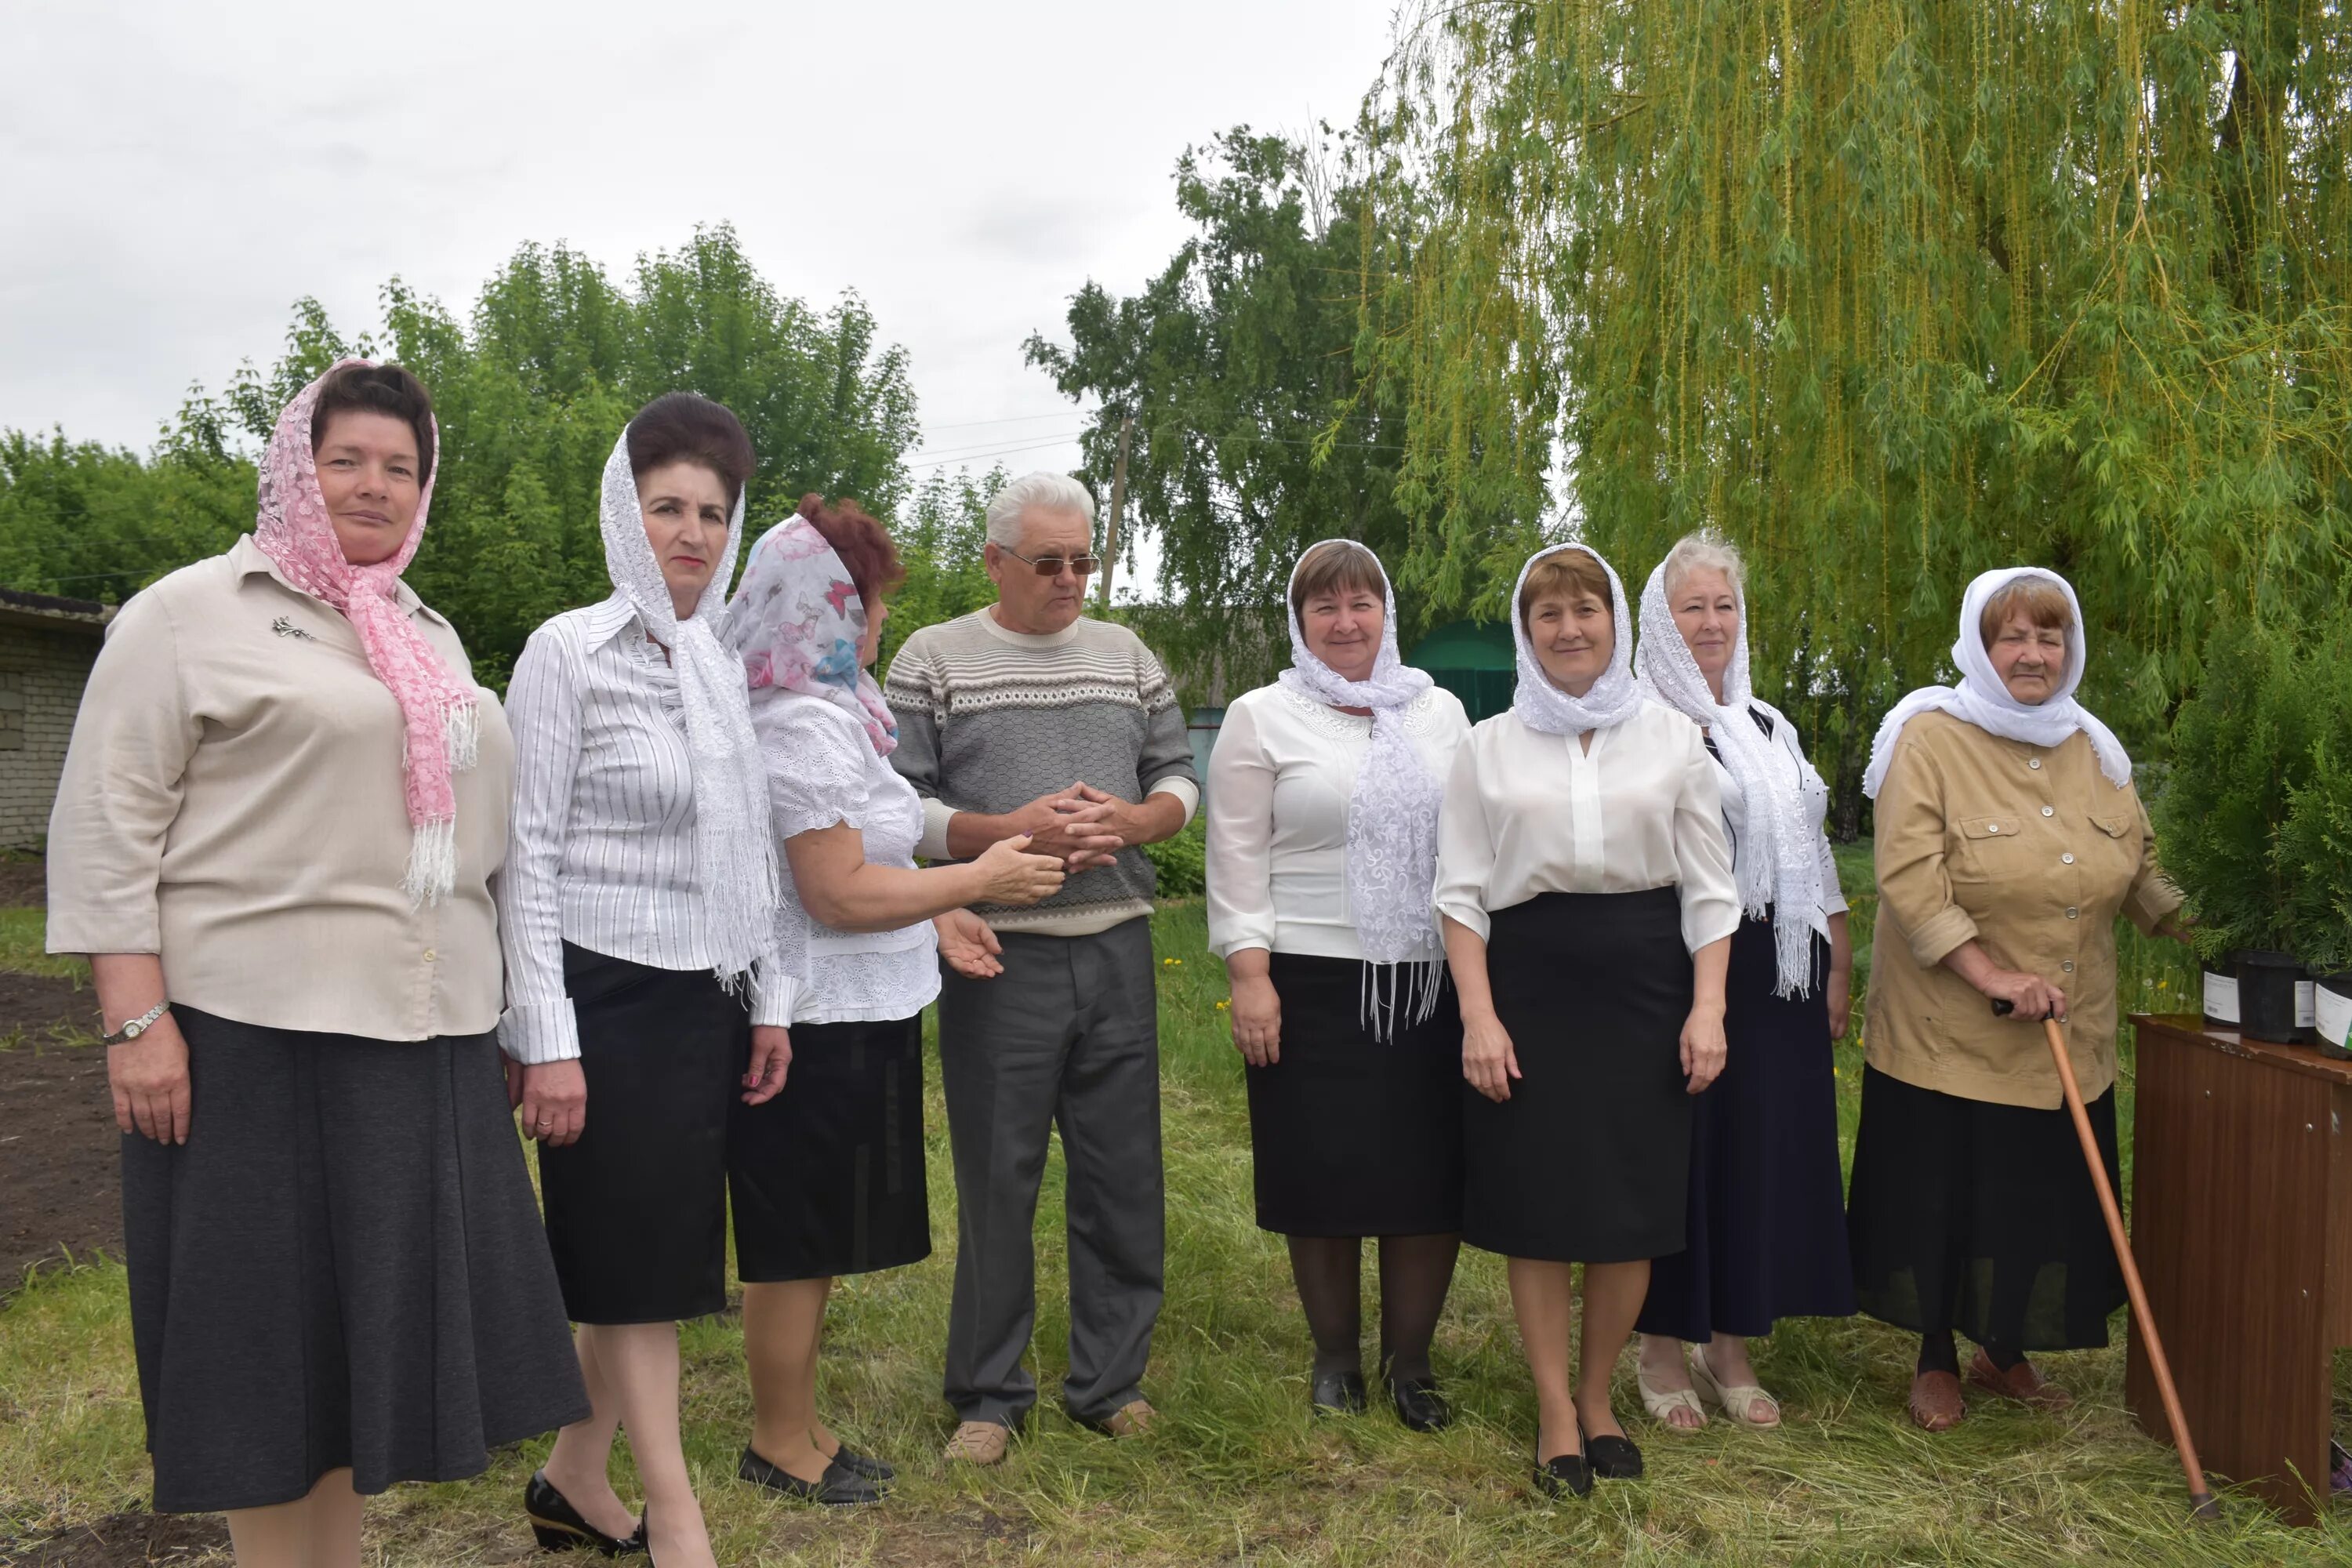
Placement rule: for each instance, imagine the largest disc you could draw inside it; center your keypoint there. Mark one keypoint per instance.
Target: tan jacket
(2033, 853)
(233, 802)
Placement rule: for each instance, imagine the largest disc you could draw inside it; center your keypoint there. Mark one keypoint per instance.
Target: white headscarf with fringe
(1391, 823)
(734, 854)
(1983, 699)
(1538, 703)
(1779, 867)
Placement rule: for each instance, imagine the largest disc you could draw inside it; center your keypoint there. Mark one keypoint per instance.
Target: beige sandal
(1736, 1400)
(1661, 1402)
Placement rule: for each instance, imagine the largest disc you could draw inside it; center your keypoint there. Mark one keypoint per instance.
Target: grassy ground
(1238, 1473)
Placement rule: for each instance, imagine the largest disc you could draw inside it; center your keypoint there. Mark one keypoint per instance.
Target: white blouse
(1528, 812)
(1795, 768)
(822, 771)
(600, 848)
(1279, 784)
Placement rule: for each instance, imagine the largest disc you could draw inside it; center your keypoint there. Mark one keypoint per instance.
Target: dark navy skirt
(1766, 1215)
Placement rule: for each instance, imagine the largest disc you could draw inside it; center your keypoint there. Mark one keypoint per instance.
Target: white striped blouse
(600, 849)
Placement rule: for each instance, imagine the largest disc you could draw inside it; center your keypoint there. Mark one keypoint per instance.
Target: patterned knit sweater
(989, 719)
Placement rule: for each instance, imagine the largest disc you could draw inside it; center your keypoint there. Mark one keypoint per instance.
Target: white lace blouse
(823, 773)
(1528, 812)
(1279, 782)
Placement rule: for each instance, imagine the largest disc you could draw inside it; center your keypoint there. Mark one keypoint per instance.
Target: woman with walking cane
(2009, 838)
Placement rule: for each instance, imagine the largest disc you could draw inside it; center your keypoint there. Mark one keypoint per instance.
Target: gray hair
(1041, 491)
(1706, 551)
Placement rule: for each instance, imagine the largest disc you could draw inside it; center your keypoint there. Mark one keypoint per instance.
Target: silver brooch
(287, 629)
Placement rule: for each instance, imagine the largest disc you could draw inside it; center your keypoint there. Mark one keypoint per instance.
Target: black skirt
(1589, 1161)
(1351, 1135)
(342, 1267)
(1981, 1217)
(827, 1177)
(637, 1207)
(1767, 1217)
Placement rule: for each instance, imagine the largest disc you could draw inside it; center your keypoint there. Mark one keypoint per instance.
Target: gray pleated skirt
(342, 1267)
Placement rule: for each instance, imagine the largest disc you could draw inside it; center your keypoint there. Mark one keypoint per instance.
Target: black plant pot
(2332, 1001)
(2266, 994)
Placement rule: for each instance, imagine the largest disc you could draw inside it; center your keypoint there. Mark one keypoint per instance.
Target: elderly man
(1025, 717)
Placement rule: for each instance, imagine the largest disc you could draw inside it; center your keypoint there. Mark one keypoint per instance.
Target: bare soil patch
(61, 1184)
(123, 1539)
(24, 885)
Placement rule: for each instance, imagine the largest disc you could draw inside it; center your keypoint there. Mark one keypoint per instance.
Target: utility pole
(1118, 508)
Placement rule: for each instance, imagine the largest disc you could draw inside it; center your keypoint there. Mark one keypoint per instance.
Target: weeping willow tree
(1889, 291)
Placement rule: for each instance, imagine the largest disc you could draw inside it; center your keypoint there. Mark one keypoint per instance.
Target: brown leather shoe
(2020, 1383)
(1936, 1402)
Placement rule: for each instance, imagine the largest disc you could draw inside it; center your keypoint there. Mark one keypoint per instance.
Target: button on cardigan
(2030, 851)
(602, 850)
(233, 801)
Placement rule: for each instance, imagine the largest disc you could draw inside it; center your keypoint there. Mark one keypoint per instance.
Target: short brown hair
(863, 545)
(1564, 575)
(376, 389)
(1332, 564)
(683, 427)
(2039, 599)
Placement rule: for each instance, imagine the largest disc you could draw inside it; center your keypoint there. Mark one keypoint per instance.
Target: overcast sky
(177, 174)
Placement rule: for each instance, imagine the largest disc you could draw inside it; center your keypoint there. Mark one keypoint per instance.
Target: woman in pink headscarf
(281, 813)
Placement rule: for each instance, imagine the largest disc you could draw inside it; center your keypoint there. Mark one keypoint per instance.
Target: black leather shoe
(839, 1487)
(558, 1526)
(1339, 1394)
(1570, 1473)
(1614, 1458)
(1419, 1405)
(866, 1464)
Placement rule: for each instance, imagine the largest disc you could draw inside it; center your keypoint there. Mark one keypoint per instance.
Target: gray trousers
(1067, 1036)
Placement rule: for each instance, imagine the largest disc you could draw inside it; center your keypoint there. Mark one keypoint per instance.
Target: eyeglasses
(1051, 565)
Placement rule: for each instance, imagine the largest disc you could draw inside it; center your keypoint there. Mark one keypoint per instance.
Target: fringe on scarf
(462, 731)
(1388, 993)
(432, 862)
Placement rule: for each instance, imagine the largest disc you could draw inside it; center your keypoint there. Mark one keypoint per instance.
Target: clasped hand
(1085, 826)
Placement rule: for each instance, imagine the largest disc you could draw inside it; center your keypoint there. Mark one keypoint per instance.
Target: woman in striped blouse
(639, 894)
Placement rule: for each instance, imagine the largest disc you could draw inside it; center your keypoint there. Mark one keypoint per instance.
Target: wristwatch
(139, 1025)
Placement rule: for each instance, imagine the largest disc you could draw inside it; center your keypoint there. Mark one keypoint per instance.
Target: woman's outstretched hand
(967, 945)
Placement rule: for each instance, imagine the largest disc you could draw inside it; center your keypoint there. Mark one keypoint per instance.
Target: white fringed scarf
(1392, 827)
(1613, 698)
(1778, 866)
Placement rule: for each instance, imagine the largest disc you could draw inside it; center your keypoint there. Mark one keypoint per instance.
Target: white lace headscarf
(1613, 698)
(1983, 701)
(1778, 863)
(734, 854)
(1392, 820)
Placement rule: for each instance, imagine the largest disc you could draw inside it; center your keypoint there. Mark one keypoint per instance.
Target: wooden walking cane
(2201, 1496)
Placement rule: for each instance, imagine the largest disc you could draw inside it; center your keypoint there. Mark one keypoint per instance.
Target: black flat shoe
(839, 1487)
(1339, 1394)
(866, 1464)
(1570, 1473)
(1419, 1405)
(559, 1527)
(1614, 1458)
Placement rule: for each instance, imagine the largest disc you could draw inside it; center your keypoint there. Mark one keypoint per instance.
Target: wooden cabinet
(2242, 1221)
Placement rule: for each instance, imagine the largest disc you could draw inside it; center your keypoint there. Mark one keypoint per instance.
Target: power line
(1009, 420)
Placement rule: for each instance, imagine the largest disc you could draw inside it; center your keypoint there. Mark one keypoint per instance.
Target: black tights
(1415, 1271)
(1938, 1353)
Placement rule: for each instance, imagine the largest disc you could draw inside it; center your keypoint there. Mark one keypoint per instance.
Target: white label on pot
(2304, 1016)
(2220, 998)
(2335, 1015)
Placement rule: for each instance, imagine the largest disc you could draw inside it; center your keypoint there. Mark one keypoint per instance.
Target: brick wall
(41, 677)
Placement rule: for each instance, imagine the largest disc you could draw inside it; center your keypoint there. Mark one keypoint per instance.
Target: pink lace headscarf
(438, 708)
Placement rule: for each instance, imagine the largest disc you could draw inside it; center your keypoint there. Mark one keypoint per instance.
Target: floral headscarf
(797, 620)
(440, 721)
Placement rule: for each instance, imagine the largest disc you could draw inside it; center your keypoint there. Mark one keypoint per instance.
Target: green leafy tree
(1890, 291)
(1254, 435)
